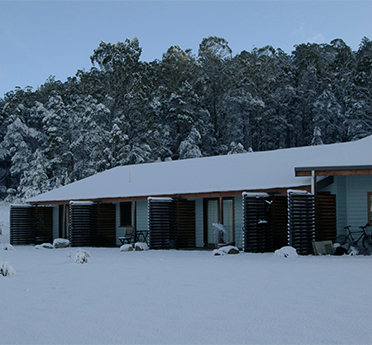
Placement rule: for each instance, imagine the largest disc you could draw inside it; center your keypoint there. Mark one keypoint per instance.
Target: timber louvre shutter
(162, 223)
(22, 224)
(273, 221)
(257, 228)
(30, 224)
(301, 221)
(83, 224)
(185, 215)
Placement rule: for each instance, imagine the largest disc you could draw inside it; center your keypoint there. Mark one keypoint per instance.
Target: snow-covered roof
(239, 172)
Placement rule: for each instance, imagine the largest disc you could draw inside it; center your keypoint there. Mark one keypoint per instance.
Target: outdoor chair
(128, 237)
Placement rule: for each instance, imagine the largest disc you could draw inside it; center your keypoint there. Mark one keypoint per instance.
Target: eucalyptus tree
(359, 114)
(214, 57)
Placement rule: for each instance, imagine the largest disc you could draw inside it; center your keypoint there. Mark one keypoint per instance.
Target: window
(370, 208)
(125, 214)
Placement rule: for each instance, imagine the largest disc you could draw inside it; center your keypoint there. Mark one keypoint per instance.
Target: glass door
(228, 219)
(221, 211)
(212, 217)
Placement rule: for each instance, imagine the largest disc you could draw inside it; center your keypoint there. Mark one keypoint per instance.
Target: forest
(128, 111)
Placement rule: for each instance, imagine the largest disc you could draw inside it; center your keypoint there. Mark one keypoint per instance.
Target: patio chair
(128, 237)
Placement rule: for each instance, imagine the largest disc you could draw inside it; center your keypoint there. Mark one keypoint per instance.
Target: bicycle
(351, 241)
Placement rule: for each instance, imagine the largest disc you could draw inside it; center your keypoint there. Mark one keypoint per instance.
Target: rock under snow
(286, 252)
(82, 256)
(230, 249)
(6, 269)
(61, 243)
(126, 248)
(140, 246)
(226, 250)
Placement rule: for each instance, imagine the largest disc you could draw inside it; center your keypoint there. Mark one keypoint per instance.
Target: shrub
(6, 269)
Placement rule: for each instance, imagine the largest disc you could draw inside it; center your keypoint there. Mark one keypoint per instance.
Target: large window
(126, 214)
(370, 208)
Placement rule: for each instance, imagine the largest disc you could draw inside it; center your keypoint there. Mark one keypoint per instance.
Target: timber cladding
(30, 224)
(43, 224)
(278, 216)
(326, 220)
(171, 223)
(106, 227)
(185, 219)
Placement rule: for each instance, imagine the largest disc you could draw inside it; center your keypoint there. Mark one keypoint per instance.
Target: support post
(313, 182)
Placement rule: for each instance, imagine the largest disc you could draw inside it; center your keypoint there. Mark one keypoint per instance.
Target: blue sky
(43, 38)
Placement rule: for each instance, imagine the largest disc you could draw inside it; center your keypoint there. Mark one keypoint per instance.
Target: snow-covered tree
(317, 137)
(35, 179)
(236, 148)
(189, 148)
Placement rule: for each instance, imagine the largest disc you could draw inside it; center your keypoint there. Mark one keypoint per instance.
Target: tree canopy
(127, 111)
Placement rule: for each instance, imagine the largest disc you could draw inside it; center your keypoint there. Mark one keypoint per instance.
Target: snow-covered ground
(183, 297)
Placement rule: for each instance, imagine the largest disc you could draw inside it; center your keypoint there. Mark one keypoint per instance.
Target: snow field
(184, 297)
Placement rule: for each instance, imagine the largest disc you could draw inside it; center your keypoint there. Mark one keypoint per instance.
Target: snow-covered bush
(82, 256)
(126, 248)
(6, 269)
(6, 246)
(61, 243)
(140, 246)
(286, 252)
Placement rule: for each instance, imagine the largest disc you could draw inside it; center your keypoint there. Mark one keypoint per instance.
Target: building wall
(142, 219)
(351, 198)
(238, 221)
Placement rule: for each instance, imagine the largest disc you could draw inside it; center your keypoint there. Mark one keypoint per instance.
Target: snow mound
(140, 246)
(286, 252)
(6, 246)
(82, 256)
(61, 243)
(126, 248)
(6, 269)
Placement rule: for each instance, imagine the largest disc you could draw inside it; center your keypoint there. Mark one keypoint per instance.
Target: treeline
(127, 111)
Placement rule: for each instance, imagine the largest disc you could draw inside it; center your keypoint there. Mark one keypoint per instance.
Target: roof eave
(334, 170)
(276, 190)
